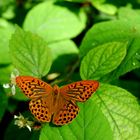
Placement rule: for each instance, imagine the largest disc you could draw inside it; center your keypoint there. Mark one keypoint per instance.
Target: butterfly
(55, 104)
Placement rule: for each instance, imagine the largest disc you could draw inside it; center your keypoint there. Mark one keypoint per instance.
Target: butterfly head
(56, 89)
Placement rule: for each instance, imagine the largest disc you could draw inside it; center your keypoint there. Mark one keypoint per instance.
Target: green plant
(51, 41)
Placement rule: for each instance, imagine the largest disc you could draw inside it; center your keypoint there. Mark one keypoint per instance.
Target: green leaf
(130, 62)
(107, 32)
(128, 14)
(121, 110)
(102, 60)
(55, 21)
(90, 124)
(6, 29)
(132, 86)
(104, 7)
(118, 30)
(30, 53)
(5, 73)
(78, 1)
(64, 53)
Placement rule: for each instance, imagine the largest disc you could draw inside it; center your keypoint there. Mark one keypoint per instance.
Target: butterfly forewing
(33, 87)
(80, 91)
(66, 114)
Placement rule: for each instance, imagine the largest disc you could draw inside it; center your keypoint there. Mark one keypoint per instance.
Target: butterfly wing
(41, 95)
(79, 91)
(41, 110)
(66, 114)
(33, 87)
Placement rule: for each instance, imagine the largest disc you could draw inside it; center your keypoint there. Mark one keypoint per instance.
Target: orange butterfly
(53, 103)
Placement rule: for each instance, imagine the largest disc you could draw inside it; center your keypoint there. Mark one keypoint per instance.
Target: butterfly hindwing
(41, 110)
(66, 114)
(80, 91)
(33, 87)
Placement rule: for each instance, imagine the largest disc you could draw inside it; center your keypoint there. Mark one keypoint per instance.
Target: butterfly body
(56, 104)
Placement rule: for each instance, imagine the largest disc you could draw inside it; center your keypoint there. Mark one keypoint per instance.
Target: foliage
(62, 41)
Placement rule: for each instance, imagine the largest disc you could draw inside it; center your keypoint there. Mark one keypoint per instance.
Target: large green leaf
(64, 53)
(90, 124)
(121, 110)
(118, 30)
(30, 53)
(55, 20)
(5, 73)
(129, 14)
(6, 29)
(102, 60)
(77, 1)
(104, 6)
(132, 86)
